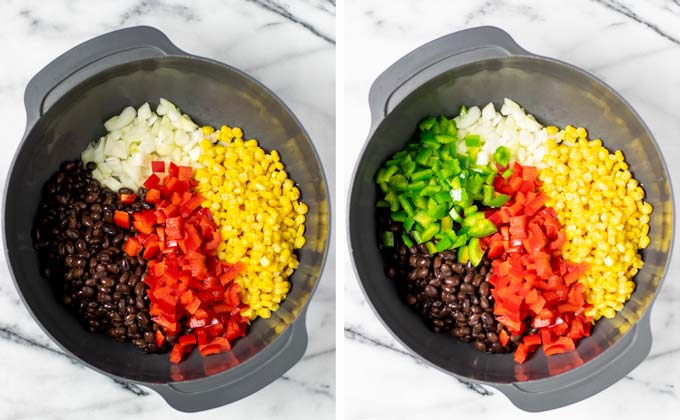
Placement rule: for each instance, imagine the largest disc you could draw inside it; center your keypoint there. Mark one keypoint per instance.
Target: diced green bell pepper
(473, 140)
(475, 252)
(427, 123)
(388, 239)
(406, 240)
(502, 156)
(443, 244)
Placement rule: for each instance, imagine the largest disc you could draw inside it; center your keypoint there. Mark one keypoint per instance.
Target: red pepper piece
(160, 338)
(158, 166)
(152, 181)
(127, 198)
(173, 228)
(153, 196)
(184, 173)
(122, 219)
(173, 169)
(132, 247)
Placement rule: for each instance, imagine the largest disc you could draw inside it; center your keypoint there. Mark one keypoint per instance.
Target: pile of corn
(258, 211)
(603, 212)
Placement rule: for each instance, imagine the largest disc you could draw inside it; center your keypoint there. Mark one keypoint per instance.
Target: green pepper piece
(409, 169)
(442, 197)
(426, 136)
(502, 155)
(475, 252)
(408, 224)
(388, 239)
(451, 235)
(427, 123)
(417, 237)
(431, 203)
(416, 186)
(423, 156)
(399, 182)
(438, 211)
(429, 232)
(404, 162)
(406, 240)
(463, 254)
(463, 110)
(472, 219)
(399, 216)
(487, 194)
(430, 190)
(490, 178)
(470, 210)
(445, 138)
(384, 176)
(424, 219)
(473, 140)
(431, 248)
(393, 162)
(400, 155)
(443, 244)
(482, 228)
(475, 184)
(421, 175)
(384, 187)
(452, 129)
(443, 124)
(455, 215)
(382, 203)
(507, 173)
(498, 201)
(405, 203)
(460, 240)
(391, 197)
(446, 223)
(420, 202)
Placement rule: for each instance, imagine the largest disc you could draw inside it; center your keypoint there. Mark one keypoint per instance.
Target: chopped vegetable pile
(559, 216)
(203, 227)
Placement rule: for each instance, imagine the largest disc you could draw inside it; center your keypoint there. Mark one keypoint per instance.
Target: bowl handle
(582, 382)
(88, 58)
(434, 58)
(242, 380)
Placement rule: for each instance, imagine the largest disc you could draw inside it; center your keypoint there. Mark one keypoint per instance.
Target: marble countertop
(635, 47)
(290, 47)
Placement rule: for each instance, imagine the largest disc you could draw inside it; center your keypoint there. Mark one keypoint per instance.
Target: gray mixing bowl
(474, 67)
(66, 105)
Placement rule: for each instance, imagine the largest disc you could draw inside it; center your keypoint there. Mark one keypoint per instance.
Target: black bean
(79, 250)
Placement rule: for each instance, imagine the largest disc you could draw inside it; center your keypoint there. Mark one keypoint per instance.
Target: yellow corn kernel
(258, 212)
(207, 130)
(604, 217)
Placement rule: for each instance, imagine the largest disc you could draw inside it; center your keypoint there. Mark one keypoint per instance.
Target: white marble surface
(635, 47)
(289, 46)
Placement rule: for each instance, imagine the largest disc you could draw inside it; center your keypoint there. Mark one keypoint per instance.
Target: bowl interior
(212, 94)
(557, 94)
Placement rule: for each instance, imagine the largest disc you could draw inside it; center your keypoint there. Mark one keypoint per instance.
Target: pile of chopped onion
(134, 138)
(512, 128)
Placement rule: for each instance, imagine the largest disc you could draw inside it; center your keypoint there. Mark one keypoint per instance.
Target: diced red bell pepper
(127, 198)
(153, 196)
(184, 173)
(160, 338)
(173, 228)
(158, 166)
(173, 169)
(152, 181)
(132, 247)
(122, 219)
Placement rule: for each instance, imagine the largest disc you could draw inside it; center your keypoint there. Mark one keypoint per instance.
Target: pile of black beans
(450, 296)
(79, 249)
